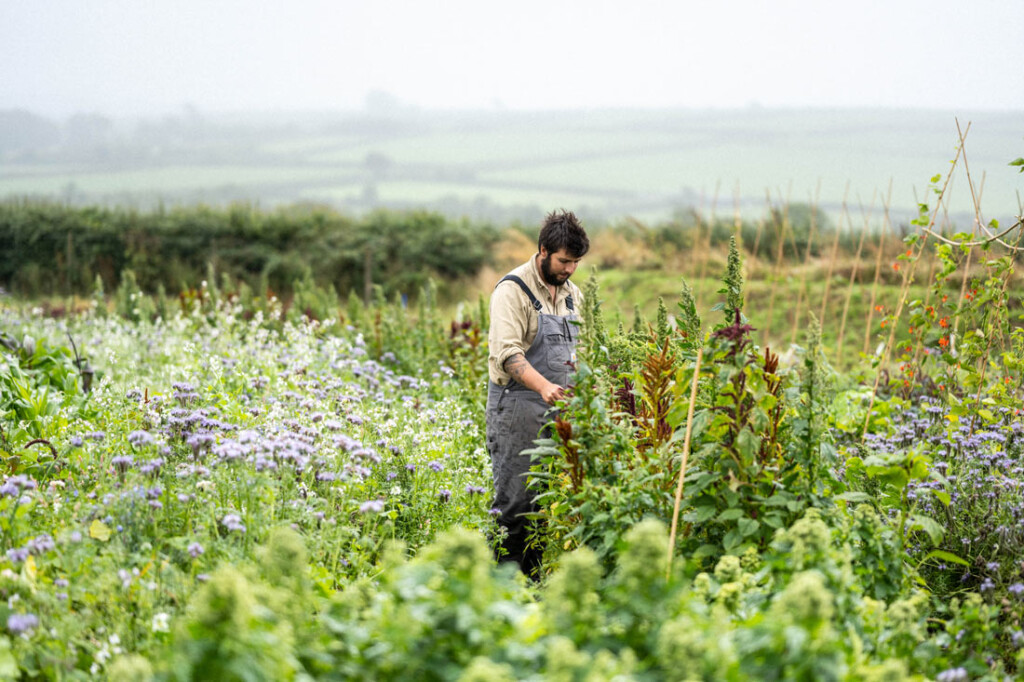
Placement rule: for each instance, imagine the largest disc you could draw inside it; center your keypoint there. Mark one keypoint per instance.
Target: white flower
(397, 490)
(161, 622)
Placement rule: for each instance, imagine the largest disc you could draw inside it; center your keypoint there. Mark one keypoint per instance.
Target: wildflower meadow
(223, 485)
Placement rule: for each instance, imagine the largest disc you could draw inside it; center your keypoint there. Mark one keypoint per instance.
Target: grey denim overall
(515, 415)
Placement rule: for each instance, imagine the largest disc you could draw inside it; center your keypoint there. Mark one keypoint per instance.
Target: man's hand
(523, 372)
(552, 393)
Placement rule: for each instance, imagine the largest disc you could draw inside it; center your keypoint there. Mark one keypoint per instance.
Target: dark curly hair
(562, 230)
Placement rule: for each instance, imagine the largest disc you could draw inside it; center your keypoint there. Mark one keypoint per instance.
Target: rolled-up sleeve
(509, 330)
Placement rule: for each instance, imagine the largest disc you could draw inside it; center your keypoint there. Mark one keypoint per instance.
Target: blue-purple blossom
(233, 522)
(20, 623)
(195, 549)
(444, 494)
(953, 675)
(152, 467)
(122, 463)
(140, 438)
(41, 544)
(17, 554)
(435, 466)
(372, 507)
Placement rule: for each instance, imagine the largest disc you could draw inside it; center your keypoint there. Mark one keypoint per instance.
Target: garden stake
(967, 265)
(932, 259)
(807, 257)
(711, 227)
(883, 233)
(682, 466)
(853, 277)
(777, 274)
(832, 258)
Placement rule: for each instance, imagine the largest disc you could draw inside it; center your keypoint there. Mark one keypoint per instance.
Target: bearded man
(532, 342)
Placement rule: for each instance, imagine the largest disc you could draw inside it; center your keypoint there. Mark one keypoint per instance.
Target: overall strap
(522, 285)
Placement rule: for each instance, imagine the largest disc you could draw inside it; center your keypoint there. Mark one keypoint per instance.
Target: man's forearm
(522, 372)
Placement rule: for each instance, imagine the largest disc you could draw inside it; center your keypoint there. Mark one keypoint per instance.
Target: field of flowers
(219, 486)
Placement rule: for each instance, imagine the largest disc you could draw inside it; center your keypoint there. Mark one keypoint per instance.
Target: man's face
(556, 268)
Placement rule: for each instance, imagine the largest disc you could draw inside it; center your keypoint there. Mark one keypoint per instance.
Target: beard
(550, 277)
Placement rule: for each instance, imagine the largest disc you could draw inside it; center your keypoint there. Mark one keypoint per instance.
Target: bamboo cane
(807, 257)
(777, 272)
(882, 235)
(975, 226)
(711, 225)
(682, 466)
(737, 222)
(832, 259)
(932, 259)
(853, 274)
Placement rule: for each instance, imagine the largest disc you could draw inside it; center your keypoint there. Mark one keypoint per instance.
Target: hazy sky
(129, 57)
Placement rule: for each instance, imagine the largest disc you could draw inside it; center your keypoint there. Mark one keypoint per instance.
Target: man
(532, 343)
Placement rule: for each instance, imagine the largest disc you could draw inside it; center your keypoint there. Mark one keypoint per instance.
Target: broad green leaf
(945, 556)
(854, 496)
(730, 515)
(748, 526)
(929, 526)
(732, 540)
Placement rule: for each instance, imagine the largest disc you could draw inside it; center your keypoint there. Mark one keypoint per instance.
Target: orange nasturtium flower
(944, 341)
(944, 322)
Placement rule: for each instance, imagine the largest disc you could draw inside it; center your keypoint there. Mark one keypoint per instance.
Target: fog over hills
(505, 165)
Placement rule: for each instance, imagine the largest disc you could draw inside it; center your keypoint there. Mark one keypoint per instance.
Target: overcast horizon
(126, 60)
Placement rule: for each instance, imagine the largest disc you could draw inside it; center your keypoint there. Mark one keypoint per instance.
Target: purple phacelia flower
(17, 554)
(372, 507)
(233, 522)
(140, 438)
(122, 463)
(20, 623)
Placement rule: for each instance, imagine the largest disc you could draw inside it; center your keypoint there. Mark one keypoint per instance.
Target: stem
(682, 467)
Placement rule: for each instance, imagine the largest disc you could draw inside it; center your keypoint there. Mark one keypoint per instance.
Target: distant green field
(609, 164)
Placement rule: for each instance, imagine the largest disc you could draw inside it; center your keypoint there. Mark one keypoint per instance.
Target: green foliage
(732, 285)
(263, 249)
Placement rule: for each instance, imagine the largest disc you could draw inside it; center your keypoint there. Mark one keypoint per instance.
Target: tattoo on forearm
(516, 366)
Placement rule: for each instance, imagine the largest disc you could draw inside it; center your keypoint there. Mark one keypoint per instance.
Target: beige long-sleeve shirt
(513, 319)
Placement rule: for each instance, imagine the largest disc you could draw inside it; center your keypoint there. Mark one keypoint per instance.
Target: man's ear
(543, 253)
